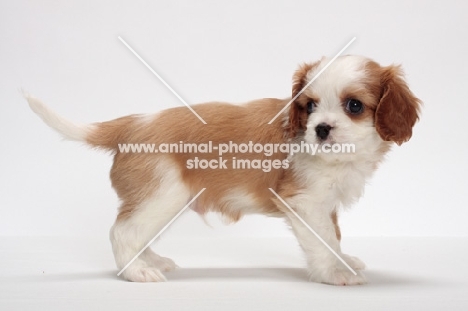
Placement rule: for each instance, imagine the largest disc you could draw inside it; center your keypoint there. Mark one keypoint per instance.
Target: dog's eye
(310, 106)
(354, 106)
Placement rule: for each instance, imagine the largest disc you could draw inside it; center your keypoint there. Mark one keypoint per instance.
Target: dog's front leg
(323, 266)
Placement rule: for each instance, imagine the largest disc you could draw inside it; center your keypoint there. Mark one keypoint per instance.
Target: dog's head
(353, 100)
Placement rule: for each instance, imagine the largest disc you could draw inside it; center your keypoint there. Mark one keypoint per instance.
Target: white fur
(129, 236)
(329, 186)
(69, 130)
(344, 71)
(326, 183)
(240, 201)
(147, 118)
(332, 180)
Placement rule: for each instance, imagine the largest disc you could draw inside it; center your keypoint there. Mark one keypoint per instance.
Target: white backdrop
(67, 53)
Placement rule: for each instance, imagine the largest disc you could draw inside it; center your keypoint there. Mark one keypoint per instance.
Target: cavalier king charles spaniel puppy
(354, 101)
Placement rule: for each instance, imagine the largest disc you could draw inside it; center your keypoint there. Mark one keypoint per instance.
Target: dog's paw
(162, 263)
(354, 262)
(143, 274)
(338, 276)
(165, 264)
(342, 277)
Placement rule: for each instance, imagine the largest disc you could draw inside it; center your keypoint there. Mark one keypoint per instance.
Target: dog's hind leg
(138, 223)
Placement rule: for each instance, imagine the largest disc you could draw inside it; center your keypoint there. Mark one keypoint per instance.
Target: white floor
(232, 274)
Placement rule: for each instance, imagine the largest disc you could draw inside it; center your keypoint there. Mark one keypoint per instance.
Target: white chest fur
(330, 184)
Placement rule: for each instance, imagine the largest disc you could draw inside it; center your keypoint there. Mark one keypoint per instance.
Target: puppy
(354, 101)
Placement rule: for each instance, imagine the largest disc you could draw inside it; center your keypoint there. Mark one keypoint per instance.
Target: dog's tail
(101, 135)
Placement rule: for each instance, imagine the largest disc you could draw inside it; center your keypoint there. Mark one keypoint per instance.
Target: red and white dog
(354, 101)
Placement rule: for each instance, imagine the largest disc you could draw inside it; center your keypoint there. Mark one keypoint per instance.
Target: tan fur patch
(133, 177)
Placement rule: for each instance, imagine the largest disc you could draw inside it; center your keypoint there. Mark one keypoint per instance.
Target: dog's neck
(331, 180)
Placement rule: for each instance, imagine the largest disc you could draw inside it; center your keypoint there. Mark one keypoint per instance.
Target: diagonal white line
(313, 79)
(313, 231)
(161, 231)
(161, 79)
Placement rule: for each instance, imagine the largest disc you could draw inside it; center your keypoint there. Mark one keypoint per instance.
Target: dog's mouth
(325, 142)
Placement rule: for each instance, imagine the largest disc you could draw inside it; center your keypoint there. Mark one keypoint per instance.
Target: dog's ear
(298, 109)
(398, 109)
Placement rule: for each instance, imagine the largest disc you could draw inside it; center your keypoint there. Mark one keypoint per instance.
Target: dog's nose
(323, 130)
